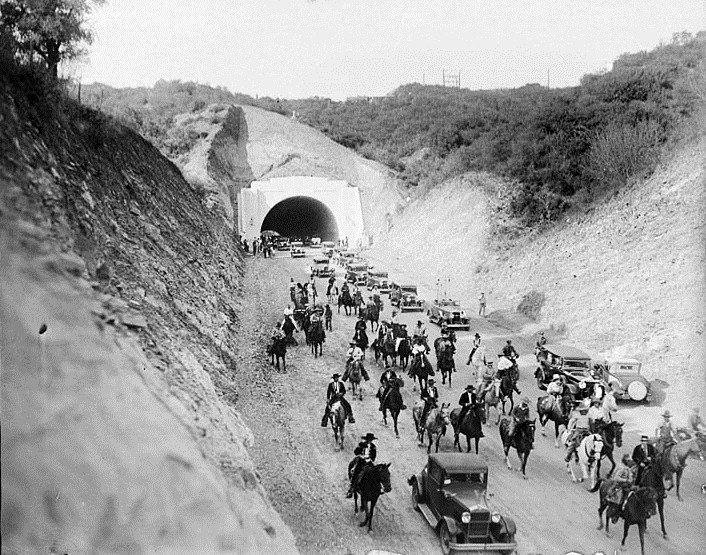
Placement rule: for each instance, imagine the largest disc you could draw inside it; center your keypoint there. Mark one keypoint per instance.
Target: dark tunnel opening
(302, 217)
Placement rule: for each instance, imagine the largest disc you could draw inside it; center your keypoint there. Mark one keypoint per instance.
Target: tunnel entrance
(302, 216)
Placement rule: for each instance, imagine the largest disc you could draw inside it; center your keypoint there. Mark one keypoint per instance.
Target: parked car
(573, 364)
(296, 249)
(315, 242)
(357, 273)
(450, 492)
(282, 243)
(322, 268)
(450, 312)
(626, 376)
(405, 298)
(328, 248)
(379, 279)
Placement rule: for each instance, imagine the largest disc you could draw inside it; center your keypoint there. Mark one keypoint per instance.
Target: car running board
(428, 514)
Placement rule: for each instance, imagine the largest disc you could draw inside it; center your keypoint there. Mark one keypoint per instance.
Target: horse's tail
(595, 488)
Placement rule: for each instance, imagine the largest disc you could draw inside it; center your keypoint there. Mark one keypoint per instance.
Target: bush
(531, 304)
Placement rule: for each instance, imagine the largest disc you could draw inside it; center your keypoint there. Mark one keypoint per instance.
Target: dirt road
(305, 475)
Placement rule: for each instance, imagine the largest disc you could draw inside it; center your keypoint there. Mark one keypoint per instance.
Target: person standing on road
(481, 304)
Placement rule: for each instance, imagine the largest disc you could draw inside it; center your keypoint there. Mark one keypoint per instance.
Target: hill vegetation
(563, 147)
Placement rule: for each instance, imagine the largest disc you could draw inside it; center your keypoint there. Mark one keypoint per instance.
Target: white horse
(478, 360)
(589, 453)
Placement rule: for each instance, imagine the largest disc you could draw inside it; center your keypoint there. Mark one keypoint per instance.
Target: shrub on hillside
(531, 304)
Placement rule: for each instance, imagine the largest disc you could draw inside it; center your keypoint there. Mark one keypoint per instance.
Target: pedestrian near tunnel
(481, 304)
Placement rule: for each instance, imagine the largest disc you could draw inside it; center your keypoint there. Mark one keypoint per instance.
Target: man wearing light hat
(335, 392)
(556, 387)
(666, 434)
(643, 455)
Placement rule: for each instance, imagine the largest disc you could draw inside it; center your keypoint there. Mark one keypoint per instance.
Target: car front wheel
(445, 539)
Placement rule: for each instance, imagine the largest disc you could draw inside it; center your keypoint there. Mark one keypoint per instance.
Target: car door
(435, 487)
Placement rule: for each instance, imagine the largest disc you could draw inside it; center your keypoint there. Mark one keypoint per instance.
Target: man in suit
(467, 401)
(643, 455)
(365, 453)
(336, 391)
(430, 396)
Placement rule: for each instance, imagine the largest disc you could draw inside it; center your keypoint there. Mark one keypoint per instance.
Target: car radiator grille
(479, 525)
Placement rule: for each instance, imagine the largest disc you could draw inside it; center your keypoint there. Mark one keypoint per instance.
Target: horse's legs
(679, 472)
(457, 441)
(556, 434)
(394, 419)
(384, 415)
(355, 500)
(477, 441)
(364, 507)
(523, 462)
(506, 448)
(609, 454)
(660, 507)
(370, 516)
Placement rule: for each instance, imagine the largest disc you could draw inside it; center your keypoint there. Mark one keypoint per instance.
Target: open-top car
(625, 375)
(322, 268)
(571, 363)
(450, 312)
(450, 492)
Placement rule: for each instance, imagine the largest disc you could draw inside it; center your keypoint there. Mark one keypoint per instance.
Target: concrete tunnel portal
(302, 216)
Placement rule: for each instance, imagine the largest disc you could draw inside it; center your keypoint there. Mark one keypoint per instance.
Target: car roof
(623, 361)
(459, 462)
(565, 351)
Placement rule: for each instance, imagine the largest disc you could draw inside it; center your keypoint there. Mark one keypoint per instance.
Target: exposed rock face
(117, 432)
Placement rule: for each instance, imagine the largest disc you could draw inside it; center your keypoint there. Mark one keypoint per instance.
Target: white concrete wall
(343, 200)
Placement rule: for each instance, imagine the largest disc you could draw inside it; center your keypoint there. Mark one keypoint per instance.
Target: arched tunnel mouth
(302, 217)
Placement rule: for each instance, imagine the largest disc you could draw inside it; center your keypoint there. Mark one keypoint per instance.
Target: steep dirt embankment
(117, 429)
(627, 278)
(249, 143)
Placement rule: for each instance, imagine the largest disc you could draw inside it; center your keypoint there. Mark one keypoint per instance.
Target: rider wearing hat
(365, 453)
(420, 331)
(476, 346)
(467, 400)
(666, 435)
(388, 376)
(430, 396)
(695, 423)
(354, 352)
(556, 387)
(486, 380)
(643, 455)
(519, 415)
(335, 392)
(623, 479)
(577, 428)
(595, 416)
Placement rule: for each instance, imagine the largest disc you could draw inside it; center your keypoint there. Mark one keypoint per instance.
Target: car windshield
(472, 477)
(574, 365)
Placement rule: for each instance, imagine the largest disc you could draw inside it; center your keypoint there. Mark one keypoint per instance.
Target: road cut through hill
(305, 475)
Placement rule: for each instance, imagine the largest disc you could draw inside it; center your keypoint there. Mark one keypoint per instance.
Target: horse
(435, 423)
(491, 399)
(278, 350)
(389, 349)
(673, 460)
(588, 453)
(337, 417)
(358, 303)
(420, 370)
(507, 387)
(393, 402)
(445, 359)
(371, 483)
(346, 301)
(288, 328)
(316, 337)
(372, 314)
(354, 375)
(612, 434)
(652, 477)
(471, 427)
(361, 340)
(404, 350)
(479, 360)
(522, 441)
(550, 408)
(637, 508)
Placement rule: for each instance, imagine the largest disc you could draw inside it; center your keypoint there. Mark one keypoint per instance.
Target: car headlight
(466, 517)
(582, 385)
(495, 517)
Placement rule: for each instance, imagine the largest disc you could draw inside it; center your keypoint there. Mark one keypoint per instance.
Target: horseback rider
(366, 453)
(505, 366)
(695, 423)
(388, 376)
(512, 355)
(354, 352)
(486, 380)
(541, 341)
(596, 416)
(623, 481)
(420, 332)
(519, 415)
(335, 392)
(430, 396)
(277, 333)
(360, 324)
(666, 434)
(577, 427)
(643, 455)
(292, 289)
(393, 319)
(468, 400)
(445, 342)
(476, 346)
(556, 387)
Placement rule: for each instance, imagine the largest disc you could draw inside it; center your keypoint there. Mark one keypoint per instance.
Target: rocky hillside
(118, 305)
(626, 278)
(239, 144)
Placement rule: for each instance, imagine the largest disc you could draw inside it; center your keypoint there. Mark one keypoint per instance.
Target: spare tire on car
(637, 390)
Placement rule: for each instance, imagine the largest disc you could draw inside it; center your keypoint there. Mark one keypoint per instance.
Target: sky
(343, 48)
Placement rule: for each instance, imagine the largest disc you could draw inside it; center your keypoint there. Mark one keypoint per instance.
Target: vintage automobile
(328, 248)
(625, 375)
(571, 363)
(315, 243)
(409, 301)
(322, 268)
(450, 312)
(451, 494)
(296, 249)
(357, 273)
(282, 243)
(379, 279)
(344, 258)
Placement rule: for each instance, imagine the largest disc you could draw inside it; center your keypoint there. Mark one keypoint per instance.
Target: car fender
(451, 524)
(510, 526)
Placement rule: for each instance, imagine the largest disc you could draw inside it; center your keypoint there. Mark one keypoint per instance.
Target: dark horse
(393, 403)
(507, 386)
(420, 370)
(673, 460)
(360, 338)
(652, 477)
(387, 348)
(522, 441)
(612, 434)
(346, 301)
(552, 408)
(372, 314)
(278, 350)
(373, 479)
(289, 328)
(317, 336)
(445, 359)
(471, 427)
(639, 506)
